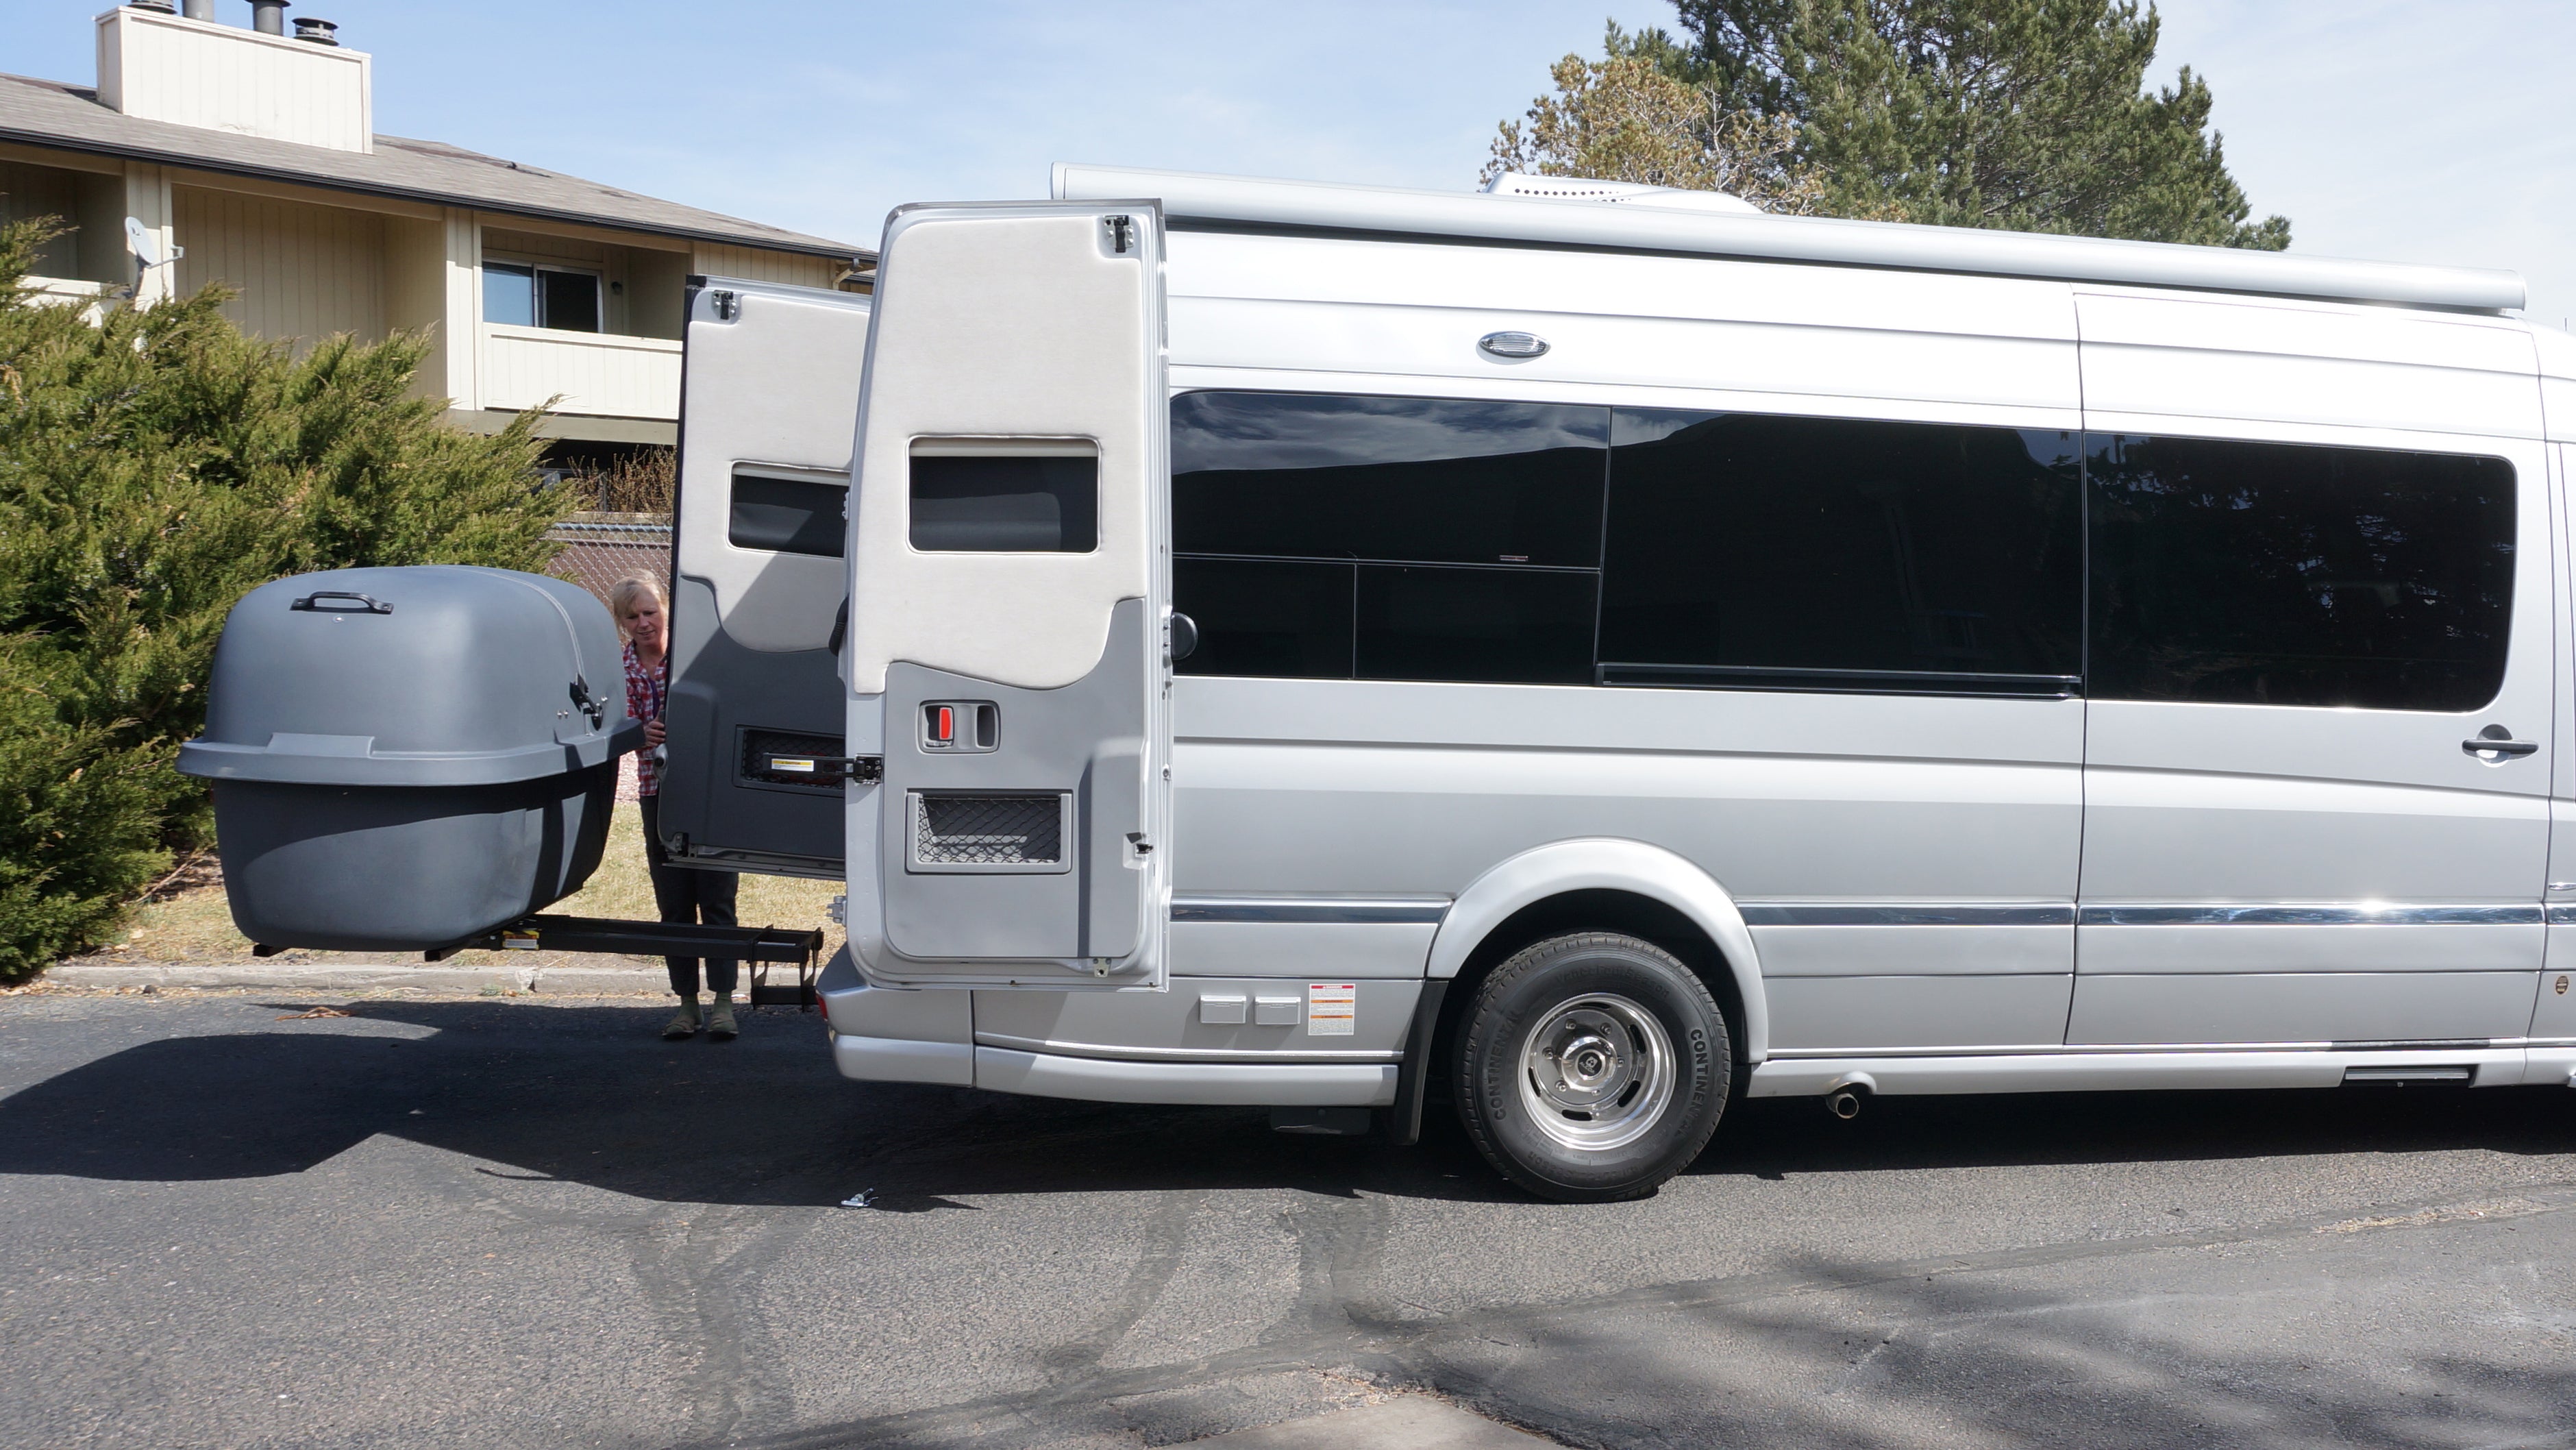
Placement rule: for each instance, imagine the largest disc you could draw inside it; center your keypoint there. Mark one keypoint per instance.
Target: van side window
(1322, 536)
(1754, 551)
(2287, 574)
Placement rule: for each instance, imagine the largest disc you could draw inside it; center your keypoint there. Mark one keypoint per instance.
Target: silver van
(1331, 648)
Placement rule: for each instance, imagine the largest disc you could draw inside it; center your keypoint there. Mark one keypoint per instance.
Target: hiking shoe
(720, 1026)
(685, 1024)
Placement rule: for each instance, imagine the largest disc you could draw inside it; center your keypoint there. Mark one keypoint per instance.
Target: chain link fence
(596, 551)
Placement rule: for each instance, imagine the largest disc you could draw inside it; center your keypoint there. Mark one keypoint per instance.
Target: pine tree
(1627, 119)
(2029, 115)
(155, 465)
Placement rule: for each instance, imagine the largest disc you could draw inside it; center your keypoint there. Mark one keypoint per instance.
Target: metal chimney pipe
(268, 17)
(198, 9)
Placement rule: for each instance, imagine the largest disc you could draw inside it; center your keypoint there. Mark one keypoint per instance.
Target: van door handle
(2497, 741)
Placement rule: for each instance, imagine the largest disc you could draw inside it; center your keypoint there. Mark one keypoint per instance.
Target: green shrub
(154, 466)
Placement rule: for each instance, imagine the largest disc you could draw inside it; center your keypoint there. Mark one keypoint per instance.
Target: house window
(525, 295)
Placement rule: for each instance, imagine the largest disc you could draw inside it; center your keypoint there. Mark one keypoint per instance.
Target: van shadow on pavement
(588, 1095)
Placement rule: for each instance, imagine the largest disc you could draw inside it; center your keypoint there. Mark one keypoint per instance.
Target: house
(210, 152)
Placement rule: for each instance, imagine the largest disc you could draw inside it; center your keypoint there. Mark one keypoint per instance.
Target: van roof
(1634, 226)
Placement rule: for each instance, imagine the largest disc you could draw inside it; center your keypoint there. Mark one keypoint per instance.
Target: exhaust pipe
(1844, 1103)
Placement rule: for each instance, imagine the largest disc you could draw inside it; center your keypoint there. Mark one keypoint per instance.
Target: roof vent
(157, 7)
(320, 32)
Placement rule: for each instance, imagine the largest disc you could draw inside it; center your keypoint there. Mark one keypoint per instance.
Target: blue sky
(2382, 128)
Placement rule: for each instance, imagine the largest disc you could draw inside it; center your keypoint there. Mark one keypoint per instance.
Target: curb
(369, 977)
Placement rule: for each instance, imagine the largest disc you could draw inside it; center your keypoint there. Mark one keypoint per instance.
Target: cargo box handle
(358, 603)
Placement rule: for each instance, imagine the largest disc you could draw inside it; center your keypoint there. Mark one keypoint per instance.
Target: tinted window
(1266, 617)
(567, 300)
(2277, 574)
(1014, 504)
(788, 515)
(1408, 479)
(1508, 626)
(1823, 553)
(1271, 491)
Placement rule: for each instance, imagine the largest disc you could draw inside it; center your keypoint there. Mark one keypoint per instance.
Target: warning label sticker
(1332, 1008)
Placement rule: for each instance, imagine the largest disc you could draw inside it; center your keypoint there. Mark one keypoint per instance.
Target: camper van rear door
(769, 390)
(1010, 569)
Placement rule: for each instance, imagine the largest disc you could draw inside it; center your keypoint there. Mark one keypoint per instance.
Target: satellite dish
(147, 247)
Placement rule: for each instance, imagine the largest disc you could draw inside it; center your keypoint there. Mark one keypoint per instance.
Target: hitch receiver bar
(762, 946)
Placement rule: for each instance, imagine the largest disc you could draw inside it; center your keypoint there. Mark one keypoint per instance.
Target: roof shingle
(49, 113)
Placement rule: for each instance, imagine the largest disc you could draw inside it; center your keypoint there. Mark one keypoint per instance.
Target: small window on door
(1009, 503)
(521, 294)
(788, 515)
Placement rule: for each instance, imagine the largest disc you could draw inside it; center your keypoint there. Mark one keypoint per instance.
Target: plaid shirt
(646, 690)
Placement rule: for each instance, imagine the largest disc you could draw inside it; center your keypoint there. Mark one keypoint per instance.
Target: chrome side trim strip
(1175, 1054)
(1349, 910)
(2562, 913)
(2119, 1049)
(1921, 913)
(2320, 913)
(2137, 1069)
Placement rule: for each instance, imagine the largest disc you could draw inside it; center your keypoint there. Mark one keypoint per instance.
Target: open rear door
(769, 389)
(1007, 651)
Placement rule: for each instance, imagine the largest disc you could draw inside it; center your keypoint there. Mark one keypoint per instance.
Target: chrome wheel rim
(1597, 1071)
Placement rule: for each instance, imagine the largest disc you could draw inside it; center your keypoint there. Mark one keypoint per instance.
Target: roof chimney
(198, 9)
(193, 72)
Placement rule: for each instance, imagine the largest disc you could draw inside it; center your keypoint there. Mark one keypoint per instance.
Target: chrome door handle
(2497, 741)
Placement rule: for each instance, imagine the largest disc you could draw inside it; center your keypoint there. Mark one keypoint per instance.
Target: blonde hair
(623, 594)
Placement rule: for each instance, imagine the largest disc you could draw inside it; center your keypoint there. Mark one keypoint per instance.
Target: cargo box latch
(822, 769)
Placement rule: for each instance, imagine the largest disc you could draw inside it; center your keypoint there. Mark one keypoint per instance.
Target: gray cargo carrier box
(404, 758)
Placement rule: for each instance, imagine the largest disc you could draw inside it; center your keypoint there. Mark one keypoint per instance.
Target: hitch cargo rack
(764, 947)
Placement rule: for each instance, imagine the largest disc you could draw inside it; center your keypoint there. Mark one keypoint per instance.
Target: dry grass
(188, 919)
(639, 483)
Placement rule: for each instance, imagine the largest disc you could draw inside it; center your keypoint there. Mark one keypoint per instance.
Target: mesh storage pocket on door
(958, 831)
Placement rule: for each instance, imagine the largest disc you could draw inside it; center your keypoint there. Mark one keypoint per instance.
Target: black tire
(1614, 1008)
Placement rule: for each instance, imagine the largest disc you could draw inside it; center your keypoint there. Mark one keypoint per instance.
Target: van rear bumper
(1108, 1080)
(1244, 1084)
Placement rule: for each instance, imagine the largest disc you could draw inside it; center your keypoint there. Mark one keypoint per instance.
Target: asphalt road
(515, 1223)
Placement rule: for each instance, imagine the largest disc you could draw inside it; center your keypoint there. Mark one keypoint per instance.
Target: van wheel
(1592, 1068)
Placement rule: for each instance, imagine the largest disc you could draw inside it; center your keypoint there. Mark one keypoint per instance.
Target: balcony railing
(596, 373)
(91, 297)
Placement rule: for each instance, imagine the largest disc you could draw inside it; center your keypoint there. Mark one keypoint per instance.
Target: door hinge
(1121, 234)
(728, 304)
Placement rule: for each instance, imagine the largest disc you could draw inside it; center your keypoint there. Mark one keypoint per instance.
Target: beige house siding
(302, 271)
(754, 264)
(28, 192)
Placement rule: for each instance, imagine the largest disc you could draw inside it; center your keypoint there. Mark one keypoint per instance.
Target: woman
(683, 894)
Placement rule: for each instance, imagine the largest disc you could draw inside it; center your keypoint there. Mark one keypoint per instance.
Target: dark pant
(686, 894)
